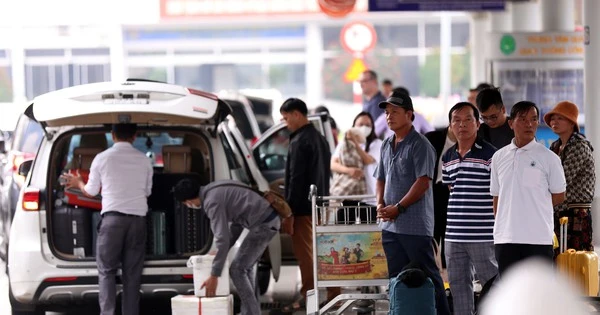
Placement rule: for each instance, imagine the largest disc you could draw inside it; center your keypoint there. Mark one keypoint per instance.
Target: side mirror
(25, 167)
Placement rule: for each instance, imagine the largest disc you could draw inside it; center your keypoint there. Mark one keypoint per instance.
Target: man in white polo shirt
(125, 176)
(527, 180)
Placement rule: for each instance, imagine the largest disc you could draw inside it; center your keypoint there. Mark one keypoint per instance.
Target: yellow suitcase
(581, 267)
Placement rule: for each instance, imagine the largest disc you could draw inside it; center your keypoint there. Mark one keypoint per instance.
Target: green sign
(507, 44)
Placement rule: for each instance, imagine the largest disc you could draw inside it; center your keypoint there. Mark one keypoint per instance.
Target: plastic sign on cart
(349, 256)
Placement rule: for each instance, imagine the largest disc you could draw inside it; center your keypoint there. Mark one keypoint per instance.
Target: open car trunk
(174, 231)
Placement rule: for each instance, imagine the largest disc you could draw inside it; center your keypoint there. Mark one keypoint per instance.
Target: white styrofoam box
(193, 305)
(202, 265)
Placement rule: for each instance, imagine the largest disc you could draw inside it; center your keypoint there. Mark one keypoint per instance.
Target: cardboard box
(193, 305)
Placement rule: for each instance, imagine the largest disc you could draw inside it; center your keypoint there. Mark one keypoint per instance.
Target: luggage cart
(345, 252)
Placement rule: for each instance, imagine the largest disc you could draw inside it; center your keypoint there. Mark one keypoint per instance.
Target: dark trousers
(441, 194)
(510, 254)
(401, 249)
(302, 242)
(121, 244)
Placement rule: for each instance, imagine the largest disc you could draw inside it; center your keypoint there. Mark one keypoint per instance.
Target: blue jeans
(401, 249)
(241, 268)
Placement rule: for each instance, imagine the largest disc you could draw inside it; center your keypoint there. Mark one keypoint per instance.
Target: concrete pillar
(591, 11)
(445, 58)
(479, 31)
(314, 65)
(501, 21)
(525, 16)
(558, 15)
(17, 56)
(117, 54)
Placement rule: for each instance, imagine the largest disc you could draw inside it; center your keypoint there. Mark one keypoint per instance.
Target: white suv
(184, 131)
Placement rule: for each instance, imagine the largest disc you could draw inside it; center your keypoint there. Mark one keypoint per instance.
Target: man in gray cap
(405, 197)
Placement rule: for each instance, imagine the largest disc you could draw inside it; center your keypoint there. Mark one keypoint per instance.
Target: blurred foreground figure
(531, 288)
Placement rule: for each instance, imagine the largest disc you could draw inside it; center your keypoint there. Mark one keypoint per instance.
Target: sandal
(290, 308)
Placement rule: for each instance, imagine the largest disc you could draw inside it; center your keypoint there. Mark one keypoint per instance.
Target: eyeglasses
(365, 80)
(490, 118)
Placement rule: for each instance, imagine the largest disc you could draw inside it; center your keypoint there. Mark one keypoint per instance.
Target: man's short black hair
(489, 97)
(523, 107)
(386, 82)
(372, 73)
(481, 86)
(401, 89)
(294, 104)
(186, 189)
(124, 131)
(461, 105)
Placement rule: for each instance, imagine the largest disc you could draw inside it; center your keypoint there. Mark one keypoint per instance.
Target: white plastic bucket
(202, 265)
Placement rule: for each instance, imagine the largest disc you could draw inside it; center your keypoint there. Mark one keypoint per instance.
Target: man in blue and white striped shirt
(470, 224)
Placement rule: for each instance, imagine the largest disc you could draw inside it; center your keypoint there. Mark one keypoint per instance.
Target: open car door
(270, 153)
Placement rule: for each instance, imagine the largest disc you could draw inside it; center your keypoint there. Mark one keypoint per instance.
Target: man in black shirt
(495, 128)
(308, 163)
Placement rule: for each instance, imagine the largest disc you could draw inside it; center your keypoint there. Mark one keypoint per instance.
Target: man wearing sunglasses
(494, 128)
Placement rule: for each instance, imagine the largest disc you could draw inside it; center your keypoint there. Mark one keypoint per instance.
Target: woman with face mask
(348, 176)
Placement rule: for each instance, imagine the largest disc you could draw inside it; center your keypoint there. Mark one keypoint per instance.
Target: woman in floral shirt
(575, 152)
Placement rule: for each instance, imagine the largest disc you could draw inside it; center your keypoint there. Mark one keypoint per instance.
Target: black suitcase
(192, 229)
(71, 230)
(95, 221)
(156, 236)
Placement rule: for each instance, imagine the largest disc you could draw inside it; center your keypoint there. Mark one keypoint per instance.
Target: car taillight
(187, 276)
(31, 199)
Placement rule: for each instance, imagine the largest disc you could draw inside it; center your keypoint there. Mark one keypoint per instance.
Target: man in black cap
(405, 197)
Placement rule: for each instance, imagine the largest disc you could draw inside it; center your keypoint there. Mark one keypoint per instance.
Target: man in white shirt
(125, 176)
(527, 181)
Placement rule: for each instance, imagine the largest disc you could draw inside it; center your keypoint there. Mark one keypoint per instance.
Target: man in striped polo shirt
(470, 224)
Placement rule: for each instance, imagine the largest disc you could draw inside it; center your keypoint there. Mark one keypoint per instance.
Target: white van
(183, 131)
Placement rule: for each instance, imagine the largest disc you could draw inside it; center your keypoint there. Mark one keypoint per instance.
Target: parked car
(24, 145)
(263, 110)
(243, 115)
(42, 274)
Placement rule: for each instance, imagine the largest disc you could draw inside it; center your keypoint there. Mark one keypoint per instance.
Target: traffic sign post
(357, 38)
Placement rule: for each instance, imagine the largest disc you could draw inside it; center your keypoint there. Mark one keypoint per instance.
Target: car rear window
(150, 143)
(30, 138)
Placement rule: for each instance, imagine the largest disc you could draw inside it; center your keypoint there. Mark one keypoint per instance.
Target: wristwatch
(401, 208)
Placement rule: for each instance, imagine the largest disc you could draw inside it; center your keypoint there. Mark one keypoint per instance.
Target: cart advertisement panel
(350, 256)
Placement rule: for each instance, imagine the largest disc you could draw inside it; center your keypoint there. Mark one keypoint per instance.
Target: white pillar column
(117, 54)
(591, 11)
(17, 58)
(526, 16)
(314, 65)
(445, 60)
(558, 15)
(477, 45)
(501, 21)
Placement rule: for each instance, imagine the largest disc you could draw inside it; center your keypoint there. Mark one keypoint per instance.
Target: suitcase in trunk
(71, 230)
(156, 239)
(96, 217)
(75, 197)
(192, 229)
(581, 267)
